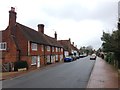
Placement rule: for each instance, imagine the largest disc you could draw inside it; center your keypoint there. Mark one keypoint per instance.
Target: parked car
(93, 57)
(77, 56)
(81, 56)
(74, 57)
(68, 59)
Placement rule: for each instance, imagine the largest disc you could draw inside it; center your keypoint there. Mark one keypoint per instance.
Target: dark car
(81, 56)
(68, 59)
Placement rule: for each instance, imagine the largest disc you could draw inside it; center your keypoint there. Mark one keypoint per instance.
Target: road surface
(73, 74)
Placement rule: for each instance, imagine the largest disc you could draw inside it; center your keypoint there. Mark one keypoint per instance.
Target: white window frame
(61, 57)
(56, 57)
(56, 49)
(34, 62)
(61, 49)
(3, 44)
(53, 49)
(34, 46)
(48, 58)
(48, 48)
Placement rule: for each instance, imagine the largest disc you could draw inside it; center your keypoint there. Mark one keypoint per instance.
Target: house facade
(21, 43)
(69, 48)
(66, 46)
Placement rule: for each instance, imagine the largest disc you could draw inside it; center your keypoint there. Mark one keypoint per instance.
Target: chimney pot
(73, 43)
(13, 9)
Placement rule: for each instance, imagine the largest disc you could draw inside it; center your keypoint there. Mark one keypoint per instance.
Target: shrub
(20, 64)
(110, 58)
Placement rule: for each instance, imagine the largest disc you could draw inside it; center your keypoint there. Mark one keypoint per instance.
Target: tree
(111, 43)
(87, 50)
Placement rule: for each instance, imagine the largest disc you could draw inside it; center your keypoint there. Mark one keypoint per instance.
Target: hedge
(20, 64)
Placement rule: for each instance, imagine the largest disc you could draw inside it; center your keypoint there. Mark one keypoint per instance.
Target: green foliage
(86, 50)
(111, 43)
(110, 57)
(20, 64)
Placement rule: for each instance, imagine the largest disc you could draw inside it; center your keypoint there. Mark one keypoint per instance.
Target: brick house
(69, 49)
(20, 42)
(66, 46)
(75, 50)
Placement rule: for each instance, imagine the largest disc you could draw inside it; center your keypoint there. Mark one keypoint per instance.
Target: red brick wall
(9, 55)
(39, 52)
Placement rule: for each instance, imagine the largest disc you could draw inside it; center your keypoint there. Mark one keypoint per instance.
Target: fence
(7, 67)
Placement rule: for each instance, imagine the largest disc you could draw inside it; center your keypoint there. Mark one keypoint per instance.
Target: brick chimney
(69, 39)
(73, 43)
(41, 28)
(55, 35)
(12, 17)
(76, 46)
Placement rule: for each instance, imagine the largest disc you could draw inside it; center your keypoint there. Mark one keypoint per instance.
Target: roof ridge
(27, 27)
(38, 37)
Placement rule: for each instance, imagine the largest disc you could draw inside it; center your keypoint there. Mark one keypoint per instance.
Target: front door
(38, 61)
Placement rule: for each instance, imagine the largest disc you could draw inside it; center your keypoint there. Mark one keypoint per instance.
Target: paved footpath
(103, 75)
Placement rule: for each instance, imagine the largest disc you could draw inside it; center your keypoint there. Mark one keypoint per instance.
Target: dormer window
(34, 46)
(3, 45)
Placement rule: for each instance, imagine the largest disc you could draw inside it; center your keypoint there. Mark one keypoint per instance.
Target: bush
(20, 64)
(110, 58)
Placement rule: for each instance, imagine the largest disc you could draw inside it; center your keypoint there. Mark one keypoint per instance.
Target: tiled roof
(52, 41)
(74, 48)
(32, 35)
(37, 37)
(65, 44)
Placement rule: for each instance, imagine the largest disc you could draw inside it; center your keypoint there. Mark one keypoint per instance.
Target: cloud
(81, 20)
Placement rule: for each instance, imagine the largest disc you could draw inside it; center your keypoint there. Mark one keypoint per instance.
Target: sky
(81, 20)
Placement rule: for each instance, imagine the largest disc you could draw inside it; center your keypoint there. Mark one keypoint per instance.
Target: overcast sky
(81, 20)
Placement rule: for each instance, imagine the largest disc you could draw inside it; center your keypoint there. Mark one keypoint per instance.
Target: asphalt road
(67, 75)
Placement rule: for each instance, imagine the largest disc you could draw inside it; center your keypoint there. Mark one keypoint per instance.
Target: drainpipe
(19, 53)
(44, 56)
(50, 53)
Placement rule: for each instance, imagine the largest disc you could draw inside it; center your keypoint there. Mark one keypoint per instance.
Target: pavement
(103, 75)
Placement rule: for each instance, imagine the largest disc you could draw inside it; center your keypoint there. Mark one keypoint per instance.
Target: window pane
(56, 57)
(3, 46)
(34, 60)
(52, 49)
(48, 48)
(34, 46)
(48, 59)
(56, 49)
